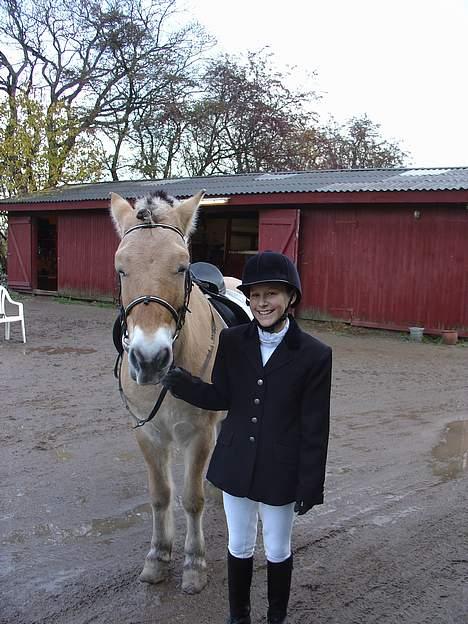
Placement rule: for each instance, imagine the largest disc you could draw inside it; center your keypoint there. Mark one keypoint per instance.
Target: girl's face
(268, 302)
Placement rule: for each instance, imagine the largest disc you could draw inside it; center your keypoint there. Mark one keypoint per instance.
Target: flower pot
(416, 333)
(450, 336)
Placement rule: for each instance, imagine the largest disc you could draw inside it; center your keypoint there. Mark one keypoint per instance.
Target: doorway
(226, 240)
(46, 265)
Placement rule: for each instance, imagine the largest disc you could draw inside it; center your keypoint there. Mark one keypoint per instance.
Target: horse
(166, 321)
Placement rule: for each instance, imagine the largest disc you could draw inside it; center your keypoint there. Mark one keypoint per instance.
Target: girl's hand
(175, 379)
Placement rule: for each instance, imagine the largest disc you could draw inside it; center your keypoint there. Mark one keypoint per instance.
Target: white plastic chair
(6, 317)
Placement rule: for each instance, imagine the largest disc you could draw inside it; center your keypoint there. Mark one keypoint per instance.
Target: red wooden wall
(87, 243)
(374, 266)
(380, 266)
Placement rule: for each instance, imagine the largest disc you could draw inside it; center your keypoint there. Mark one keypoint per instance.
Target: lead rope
(156, 406)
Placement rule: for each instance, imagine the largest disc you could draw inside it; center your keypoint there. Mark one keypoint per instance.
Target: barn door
(279, 231)
(19, 253)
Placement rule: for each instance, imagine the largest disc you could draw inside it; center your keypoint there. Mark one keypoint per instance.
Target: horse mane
(154, 206)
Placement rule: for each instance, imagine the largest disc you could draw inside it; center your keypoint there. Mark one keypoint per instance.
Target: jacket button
(259, 382)
(257, 401)
(254, 420)
(252, 439)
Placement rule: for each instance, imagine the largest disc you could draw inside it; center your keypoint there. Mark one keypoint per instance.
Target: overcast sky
(403, 62)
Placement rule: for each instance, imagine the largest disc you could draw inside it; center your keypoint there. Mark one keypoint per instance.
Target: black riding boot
(279, 585)
(239, 580)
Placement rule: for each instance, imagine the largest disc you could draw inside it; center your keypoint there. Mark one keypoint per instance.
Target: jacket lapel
(287, 350)
(251, 347)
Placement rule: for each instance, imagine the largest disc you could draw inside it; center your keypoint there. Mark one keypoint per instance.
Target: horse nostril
(163, 358)
(134, 357)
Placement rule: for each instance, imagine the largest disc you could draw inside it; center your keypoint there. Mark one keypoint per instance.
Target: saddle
(210, 280)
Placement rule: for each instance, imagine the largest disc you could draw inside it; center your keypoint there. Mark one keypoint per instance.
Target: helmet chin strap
(271, 328)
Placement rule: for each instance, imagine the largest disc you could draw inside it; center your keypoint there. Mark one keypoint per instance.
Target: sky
(404, 63)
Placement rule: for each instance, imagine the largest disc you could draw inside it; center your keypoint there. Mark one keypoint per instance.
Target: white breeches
(242, 519)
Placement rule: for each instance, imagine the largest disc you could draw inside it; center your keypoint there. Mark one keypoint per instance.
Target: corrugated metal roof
(320, 181)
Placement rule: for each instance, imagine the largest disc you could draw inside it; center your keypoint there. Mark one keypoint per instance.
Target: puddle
(450, 455)
(49, 350)
(107, 526)
(98, 527)
(59, 578)
(393, 517)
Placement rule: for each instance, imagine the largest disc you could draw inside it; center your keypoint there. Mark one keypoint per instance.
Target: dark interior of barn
(47, 253)
(226, 241)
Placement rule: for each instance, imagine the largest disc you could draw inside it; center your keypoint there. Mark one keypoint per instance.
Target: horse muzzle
(148, 370)
(149, 357)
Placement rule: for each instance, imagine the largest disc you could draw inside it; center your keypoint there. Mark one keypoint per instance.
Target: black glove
(301, 507)
(175, 380)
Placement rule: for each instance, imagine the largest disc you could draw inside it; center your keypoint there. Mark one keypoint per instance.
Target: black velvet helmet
(270, 266)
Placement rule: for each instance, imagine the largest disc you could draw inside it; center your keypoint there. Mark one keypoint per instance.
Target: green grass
(73, 301)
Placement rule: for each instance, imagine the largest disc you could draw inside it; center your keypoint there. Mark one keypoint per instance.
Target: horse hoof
(154, 572)
(193, 581)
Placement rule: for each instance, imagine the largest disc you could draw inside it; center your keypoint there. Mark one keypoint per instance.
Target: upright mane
(156, 206)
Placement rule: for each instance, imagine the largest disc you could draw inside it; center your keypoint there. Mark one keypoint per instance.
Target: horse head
(152, 262)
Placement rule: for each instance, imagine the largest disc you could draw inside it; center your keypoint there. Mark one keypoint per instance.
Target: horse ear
(188, 211)
(120, 210)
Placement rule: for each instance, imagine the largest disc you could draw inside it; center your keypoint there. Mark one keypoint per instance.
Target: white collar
(272, 338)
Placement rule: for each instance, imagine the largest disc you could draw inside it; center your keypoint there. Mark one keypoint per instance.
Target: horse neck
(196, 340)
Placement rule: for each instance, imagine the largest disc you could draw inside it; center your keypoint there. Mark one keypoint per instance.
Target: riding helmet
(270, 266)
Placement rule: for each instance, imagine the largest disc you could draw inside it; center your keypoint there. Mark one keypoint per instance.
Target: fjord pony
(152, 262)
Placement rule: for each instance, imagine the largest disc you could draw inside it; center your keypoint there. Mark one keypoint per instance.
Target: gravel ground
(388, 545)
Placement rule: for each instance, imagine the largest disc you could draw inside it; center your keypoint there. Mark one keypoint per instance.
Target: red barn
(378, 248)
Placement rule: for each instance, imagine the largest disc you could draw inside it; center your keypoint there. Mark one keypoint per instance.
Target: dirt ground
(388, 545)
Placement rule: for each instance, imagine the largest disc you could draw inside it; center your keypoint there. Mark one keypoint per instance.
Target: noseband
(177, 315)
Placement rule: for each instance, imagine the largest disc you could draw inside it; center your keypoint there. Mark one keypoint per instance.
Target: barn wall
(86, 247)
(379, 266)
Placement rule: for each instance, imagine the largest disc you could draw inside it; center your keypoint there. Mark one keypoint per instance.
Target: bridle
(178, 316)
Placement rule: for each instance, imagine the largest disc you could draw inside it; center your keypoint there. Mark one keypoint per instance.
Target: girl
(270, 455)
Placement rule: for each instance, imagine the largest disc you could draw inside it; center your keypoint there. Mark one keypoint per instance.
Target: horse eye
(182, 269)
(122, 273)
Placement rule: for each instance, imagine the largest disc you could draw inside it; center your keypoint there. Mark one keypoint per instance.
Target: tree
(99, 62)
(242, 117)
(25, 155)
(356, 144)
(158, 134)
(247, 118)
(132, 74)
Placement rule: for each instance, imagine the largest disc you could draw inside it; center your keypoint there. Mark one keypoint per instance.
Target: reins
(177, 315)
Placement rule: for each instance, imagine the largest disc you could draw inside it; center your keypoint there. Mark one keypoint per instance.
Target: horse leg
(197, 451)
(156, 568)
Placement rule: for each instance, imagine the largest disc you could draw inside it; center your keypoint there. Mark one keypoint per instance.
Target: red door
(19, 253)
(279, 231)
